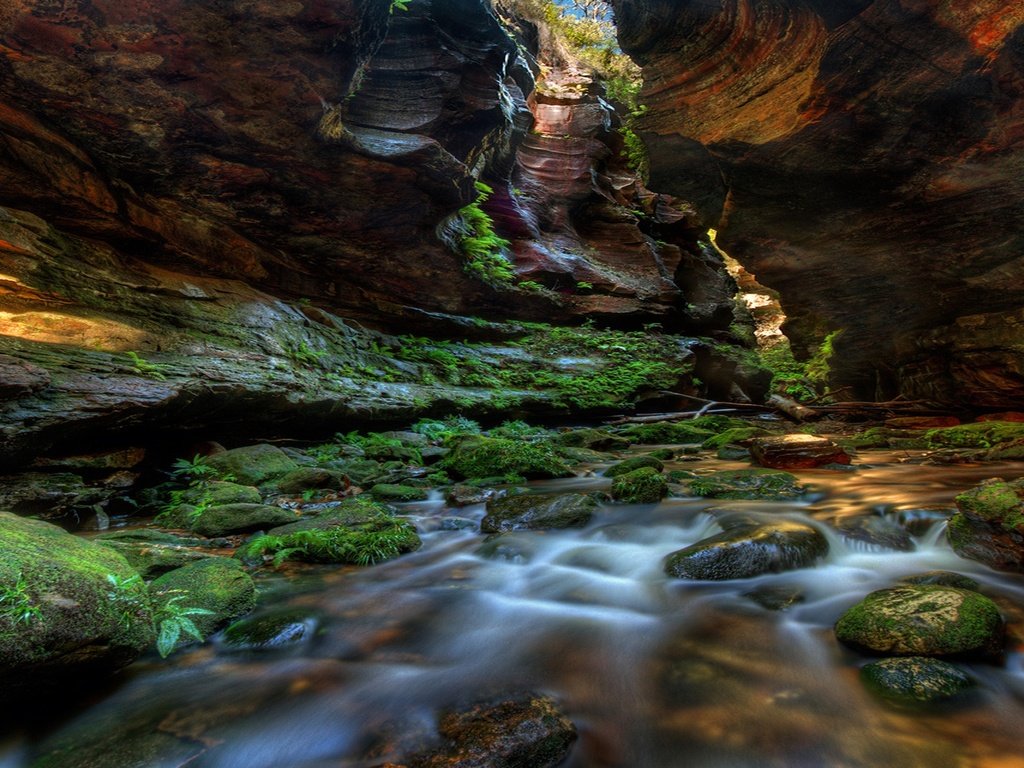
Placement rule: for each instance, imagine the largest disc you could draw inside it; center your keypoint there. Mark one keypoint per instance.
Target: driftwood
(792, 408)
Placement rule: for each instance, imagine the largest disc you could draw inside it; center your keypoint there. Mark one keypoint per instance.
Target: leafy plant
(128, 596)
(172, 620)
(195, 470)
(401, 5)
(530, 285)
(146, 368)
(16, 605)
(305, 355)
(483, 249)
(433, 429)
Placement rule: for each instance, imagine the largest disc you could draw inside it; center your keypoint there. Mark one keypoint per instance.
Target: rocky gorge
(376, 390)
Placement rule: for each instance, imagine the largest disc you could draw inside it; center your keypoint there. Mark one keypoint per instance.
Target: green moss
(666, 433)
(361, 535)
(995, 501)
(641, 486)
(766, 484)
(632, 464)
(478, 457)
(395, 492)
(483, 249)
(734, 435)
(915, 678)
(925, 620)
(217, 584)
(984, 434)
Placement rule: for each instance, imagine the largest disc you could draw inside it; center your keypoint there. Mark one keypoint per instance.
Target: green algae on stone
(57, 614)
(594, 439)
(641, 486)
(763, 484)
(228, 519)
(477, 457)
(915, 678)
(632, 464)
(221, 492)
(734, 435)
(538, 512)
(218, 584)
(397, 492)
(666, 432)
(923, 620)
(984, 434)
(989, 524)
(358, 533)
(253, 464)
(306, 478)
(271, 631)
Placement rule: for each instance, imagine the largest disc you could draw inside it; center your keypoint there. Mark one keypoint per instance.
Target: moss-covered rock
(229, 519)
(359, 533)
(273, 631)
(667, 432)
(733, 435)
(594, 439)
(360, 471)
(641, 486)
(923, 620)
(942, 578)
(538, 511)
(982, 435)
(253, 464)
(765, 484)
(477, 457)
(463, 495)
(747, 550)
(151, 559)
(219, 585)
(397, 492)
(989, 526)
(61, 609)
(221, 492)
(633, 464)
(306, 478)
(915, 678)
(512, 731)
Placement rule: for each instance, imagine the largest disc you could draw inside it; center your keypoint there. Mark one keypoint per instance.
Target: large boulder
(228, 519)
(760, 484)
(923, 620)
(989, 526)
(153, 553)
(479, 457)
(796, 452)
(218, 584)
(253, 464)
(67, 606)
(633, 464)
(915, 678)
(514, 731)
(749, 549)
(538, 512)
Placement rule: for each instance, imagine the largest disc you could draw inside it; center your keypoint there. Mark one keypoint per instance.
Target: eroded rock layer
(865, 160)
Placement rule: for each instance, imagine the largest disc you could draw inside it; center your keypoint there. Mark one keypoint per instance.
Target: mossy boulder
(359, 471)
(667, 432)
(633, 464)
(358, 533)
(152, 556)
(283, 629)
(509, 731)
(733, 435)
(62, 613)
(462, 495)
(397, 492)
(923, 620)
(253, 464)
(747, 550)
(218, 584)
(229, 519)
(477, 457)
(641, 486)
(942, 578)
(538, 512)
(915, 678)
(989, 526)
(221, 492)
(982, 435)
(315, 478)
(594, 439)
(762, 484)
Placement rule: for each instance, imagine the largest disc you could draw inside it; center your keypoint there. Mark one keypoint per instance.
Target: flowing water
(654, 671)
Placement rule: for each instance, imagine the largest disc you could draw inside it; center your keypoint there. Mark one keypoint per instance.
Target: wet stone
(915, 678)
(796, 452)
(538, 512)
(630, 465)
(875, 531)
(776, 597)
(276, 631)
(942, 578)
(462, 495)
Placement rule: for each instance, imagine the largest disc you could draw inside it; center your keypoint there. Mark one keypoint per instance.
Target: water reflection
(655, 672)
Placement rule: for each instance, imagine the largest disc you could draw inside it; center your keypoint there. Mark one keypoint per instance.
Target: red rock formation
(864, 159)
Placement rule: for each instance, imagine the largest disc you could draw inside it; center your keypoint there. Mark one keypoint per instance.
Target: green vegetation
(401, 5)
(761, 484)
(641, 486)
(146, 368)
(481, 457)
(802, 381)
(983, 434)
(171, 620)
(479, 244)
(16, 605)
(451, 426)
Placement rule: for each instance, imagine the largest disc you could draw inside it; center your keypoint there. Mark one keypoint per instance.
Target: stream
(655, 672)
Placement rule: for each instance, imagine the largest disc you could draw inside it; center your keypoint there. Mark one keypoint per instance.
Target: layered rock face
(865, 160)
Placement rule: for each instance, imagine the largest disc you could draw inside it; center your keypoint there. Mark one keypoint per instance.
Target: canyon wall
(865, 160)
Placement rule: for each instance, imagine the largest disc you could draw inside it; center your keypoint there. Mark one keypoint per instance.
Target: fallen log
(792, 408)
